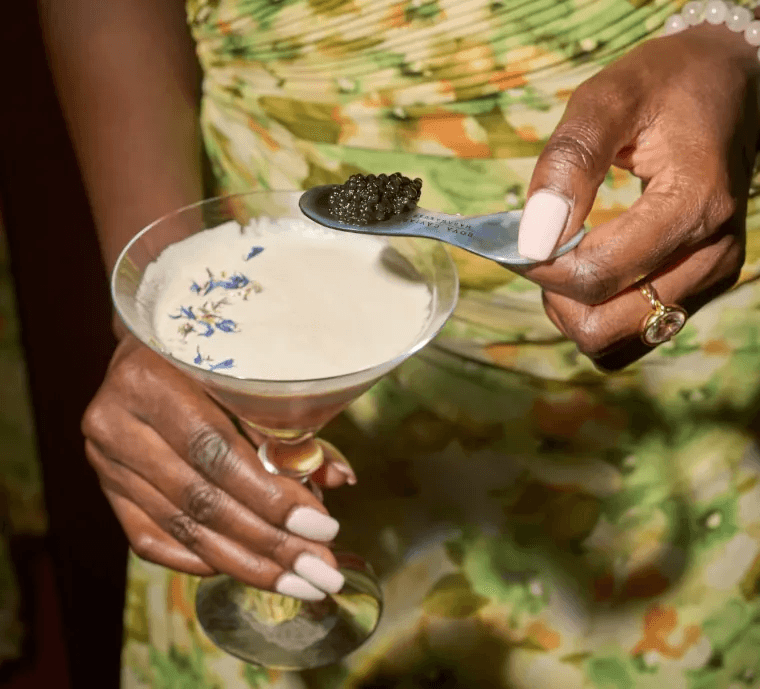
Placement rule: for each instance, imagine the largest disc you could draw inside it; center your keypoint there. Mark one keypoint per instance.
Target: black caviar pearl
(373, 198)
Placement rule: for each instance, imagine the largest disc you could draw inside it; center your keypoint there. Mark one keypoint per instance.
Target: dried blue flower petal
(209, 330)
(184, 312)
(255, 251)
(198, 358)
(227, 363)
(234, 282)
(195, 287)
(226, 325)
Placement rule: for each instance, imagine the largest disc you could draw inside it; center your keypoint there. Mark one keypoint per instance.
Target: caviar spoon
(492, 236)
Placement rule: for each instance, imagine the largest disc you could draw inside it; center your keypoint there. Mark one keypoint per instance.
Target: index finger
(675, 214)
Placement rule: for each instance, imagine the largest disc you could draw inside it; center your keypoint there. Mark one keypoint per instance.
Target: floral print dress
(534, 522)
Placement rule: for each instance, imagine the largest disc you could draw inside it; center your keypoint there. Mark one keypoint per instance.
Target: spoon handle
(486, 235)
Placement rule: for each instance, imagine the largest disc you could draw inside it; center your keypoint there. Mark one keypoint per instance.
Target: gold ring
(664, 320)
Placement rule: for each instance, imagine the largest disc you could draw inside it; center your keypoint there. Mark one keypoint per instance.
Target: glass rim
(222, 378)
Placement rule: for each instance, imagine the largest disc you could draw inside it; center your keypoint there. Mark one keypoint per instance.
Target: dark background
(65, 316)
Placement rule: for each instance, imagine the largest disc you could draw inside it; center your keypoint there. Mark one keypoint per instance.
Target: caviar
(366, 199)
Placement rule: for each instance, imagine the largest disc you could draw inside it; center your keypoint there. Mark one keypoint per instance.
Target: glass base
(284, 633)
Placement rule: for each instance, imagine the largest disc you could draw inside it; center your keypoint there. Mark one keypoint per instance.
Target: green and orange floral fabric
(534, 522)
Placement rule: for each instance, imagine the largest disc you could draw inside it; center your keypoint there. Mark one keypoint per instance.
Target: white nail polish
(311, 524)
(295, 587)
(338, 461)
(346, 471)
(318, 573)
(544, 217)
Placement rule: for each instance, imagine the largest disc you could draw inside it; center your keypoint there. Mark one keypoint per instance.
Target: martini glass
(261, 627)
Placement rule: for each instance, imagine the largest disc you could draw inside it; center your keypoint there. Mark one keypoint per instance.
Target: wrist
(730, 34)
(735, 19)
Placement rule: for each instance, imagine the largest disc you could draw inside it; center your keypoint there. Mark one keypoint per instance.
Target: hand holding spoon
(492, 236)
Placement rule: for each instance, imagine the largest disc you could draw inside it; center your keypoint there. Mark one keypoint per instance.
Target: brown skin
(681, 113)
(127, 81)
(185, 484)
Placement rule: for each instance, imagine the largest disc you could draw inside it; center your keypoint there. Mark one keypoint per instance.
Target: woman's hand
(681, 113)
(190, 491)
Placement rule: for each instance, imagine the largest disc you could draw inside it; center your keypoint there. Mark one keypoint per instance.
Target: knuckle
(602, 92)
(128, 371)
(571, 148)
(144, 546)
(723, 206)
(581, 325)
(135, 379)
(209, 452)
(184, 529)
(96, 421)
(277, 546)
(203, 503)
(592, 284)
(590, 345)
(589, 337)
(274, 495)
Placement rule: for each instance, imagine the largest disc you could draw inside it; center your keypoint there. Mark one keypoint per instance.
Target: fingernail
(319, 573)
(311, 524)
(347, 471)
(543, 219)
(338, 461)
(291, 585)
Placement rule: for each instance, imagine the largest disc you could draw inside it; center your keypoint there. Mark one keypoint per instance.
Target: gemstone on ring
(663, 326)
(663, 322)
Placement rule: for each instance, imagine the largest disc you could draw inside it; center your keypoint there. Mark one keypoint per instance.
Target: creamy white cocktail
(283, 300)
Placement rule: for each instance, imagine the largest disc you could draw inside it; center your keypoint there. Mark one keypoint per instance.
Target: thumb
(597, 123)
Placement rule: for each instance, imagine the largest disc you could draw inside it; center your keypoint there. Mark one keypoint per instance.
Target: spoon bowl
(492, 236)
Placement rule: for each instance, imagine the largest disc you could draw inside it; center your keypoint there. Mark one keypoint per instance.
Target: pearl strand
(738, 19)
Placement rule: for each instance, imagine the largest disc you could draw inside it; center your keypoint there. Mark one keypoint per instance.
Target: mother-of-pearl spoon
(492, 236)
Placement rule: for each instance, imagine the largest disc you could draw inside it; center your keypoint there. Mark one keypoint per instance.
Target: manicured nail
(311, 524)
(319, 573)
(291, 585)
(338, 461)
(347, 471)
(543, 219)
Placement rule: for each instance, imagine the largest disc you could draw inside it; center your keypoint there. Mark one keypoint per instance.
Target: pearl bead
(675, 24)
(715, 11)
(738, 19)
(752, 33)
(692, 13)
